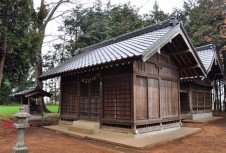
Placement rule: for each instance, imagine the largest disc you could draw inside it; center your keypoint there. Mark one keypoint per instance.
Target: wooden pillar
(29, 105)
(178, 94)
(190, 98)
(159, 88)
(60, 100)
(224, 100)
(220, 106)
(78, 90)
(21, 100)
(101, 102)
(216, 95)
(133, 107)
(133, 95)
(224, 84)
(42, 108)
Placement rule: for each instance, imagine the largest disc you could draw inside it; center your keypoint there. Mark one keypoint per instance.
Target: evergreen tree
(15, 22)
(156, 15)
(204, 21)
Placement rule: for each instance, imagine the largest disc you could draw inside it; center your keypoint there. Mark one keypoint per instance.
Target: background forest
(22, 30)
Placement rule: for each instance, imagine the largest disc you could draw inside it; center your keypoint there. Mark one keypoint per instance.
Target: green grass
(52, 108)
(9, 109)
(12, 109)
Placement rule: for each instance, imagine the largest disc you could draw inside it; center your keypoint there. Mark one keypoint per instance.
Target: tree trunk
(3, 51)
(2, 63)
(38, 73)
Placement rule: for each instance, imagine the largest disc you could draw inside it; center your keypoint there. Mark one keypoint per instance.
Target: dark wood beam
(183, 71)
(190, 66)
(187, 58)
(178, 61)
(179, 52)
(174, 46)
(177, 42)
(182, 58)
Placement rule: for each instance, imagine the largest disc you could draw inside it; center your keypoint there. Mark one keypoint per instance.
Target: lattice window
(69, 99)
(117, 98)
(89, 99)
(208, 100)
(200, 98)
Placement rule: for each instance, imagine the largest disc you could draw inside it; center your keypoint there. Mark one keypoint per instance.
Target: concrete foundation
(85, 127)
(36, 120)
(137, 141)
(197, 116)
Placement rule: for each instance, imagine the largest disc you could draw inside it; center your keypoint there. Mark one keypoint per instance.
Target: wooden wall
(90, 100)
(156, 88)
(196, 99)
(131, 96)
(107, 97)
(201, 99)
(69, 97)
(117, 98)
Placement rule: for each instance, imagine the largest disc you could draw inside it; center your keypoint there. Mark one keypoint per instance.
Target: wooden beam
(101, 103)
(179, 52)
(187, 58)
(174, 46)
(177, 43)
(190, 66)
(181, 57)
(178, 61)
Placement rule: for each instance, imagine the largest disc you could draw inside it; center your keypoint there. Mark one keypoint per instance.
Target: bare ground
(211, 139)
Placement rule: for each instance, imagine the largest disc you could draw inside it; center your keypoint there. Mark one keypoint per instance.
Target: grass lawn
(12, 109)
(52, 108)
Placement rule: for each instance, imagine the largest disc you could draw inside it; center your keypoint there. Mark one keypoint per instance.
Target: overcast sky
(144, 5)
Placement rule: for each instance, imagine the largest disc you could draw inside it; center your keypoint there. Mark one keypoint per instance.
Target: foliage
(156, 15)
(6, 124)
(15, 27)
(5, 91)
(205, 19)
(88, 26)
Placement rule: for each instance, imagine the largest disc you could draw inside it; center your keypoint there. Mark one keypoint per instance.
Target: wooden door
(89, 100)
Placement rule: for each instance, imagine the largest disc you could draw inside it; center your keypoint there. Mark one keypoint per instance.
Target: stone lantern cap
(22, 113)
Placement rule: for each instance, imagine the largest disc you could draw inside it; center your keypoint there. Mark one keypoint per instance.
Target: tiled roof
(131, 47)
(32, 91)
(24, 92)
(141, 43)
(207, 54)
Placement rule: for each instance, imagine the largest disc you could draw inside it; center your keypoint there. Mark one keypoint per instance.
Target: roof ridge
(208, 46)
(170, 22)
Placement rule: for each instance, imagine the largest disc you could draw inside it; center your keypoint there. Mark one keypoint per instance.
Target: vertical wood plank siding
(151, 101)
(69, 98)
(198, 101)
(141, 98)
(153, 98)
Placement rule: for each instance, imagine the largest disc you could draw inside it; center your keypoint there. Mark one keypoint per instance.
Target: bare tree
(44, 15)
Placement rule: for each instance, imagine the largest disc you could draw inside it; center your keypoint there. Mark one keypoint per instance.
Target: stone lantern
(21, 124)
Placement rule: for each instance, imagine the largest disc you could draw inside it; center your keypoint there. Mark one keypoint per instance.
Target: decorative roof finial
(174, 21)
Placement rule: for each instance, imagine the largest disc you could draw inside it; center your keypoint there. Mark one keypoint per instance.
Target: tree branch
(65, 12)
(51, 13)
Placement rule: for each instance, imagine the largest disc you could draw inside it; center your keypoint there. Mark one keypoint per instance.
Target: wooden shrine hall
(196, 99)
(30, 99)
(129, 83)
